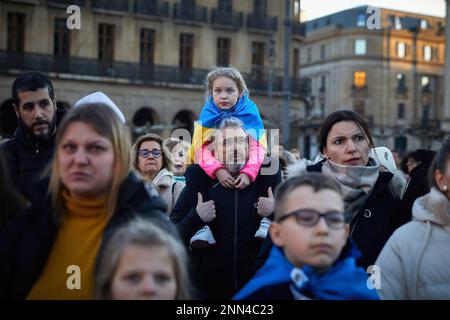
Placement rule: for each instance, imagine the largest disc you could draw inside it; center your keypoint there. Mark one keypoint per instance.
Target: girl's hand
(242, 181)
(225, 178)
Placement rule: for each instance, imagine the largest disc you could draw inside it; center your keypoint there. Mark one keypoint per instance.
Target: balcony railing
(298, 29)
(110, 5)
(227, 19)
(135, 72)
(66, 3)
(261, 23)
(259, 80)
(196, 14)
(152, 8)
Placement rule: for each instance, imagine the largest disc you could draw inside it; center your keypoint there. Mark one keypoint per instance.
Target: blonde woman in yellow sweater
(50, 250)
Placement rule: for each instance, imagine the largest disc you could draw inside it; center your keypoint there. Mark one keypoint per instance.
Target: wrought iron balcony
(110, 5)
(137, 73)
(191, 14)
(66, 3)
(229, 20)
(152, 8)
(257, 22)
(298, 29)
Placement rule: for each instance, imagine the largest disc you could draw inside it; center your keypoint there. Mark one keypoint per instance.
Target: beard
(44, 134)
(235, 163)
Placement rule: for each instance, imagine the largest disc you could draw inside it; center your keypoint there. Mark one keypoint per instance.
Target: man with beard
(231, 213)
(31, 148)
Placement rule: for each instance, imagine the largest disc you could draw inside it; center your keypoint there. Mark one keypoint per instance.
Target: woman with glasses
(415, 262)
(312, 257)
(49, 251)
(155, 163)
(371, 194)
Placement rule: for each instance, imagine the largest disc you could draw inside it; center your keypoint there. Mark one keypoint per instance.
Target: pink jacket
(210, 164)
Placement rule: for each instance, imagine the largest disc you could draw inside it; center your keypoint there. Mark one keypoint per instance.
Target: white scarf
(356, 182)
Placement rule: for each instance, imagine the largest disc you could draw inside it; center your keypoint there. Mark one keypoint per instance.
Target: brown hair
(343, 115)
(166, 155)
(318, 181)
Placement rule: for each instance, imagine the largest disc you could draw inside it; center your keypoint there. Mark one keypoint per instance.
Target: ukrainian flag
(211, 116)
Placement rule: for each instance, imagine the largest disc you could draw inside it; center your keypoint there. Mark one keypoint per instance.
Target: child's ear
(276, 235)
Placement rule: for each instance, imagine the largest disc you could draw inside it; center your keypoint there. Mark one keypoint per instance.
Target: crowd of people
(87, 214)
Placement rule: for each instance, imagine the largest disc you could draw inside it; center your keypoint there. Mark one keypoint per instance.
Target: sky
(318, 8)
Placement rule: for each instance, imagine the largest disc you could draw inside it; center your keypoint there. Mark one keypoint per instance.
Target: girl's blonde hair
(106, 123)
(145, 233)
(166, 155)
(227, 72)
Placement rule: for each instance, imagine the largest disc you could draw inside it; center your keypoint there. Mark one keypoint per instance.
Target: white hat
(384, 157)
(100, 97)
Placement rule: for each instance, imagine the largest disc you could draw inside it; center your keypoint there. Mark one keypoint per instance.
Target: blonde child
(141, 261)
(228, 97)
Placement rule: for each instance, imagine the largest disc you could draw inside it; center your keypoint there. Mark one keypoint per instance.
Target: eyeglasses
(144, 153)
(310, 217)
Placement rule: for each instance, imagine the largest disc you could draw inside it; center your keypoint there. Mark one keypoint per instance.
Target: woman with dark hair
(371, 194)
(415, 263)
(417, 164)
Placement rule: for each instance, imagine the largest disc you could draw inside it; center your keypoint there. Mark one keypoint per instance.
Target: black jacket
(28, 239)
(27, 158)
(222, 270)
(377, 219)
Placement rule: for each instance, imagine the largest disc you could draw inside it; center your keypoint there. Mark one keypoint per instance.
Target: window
(401, 110)
(322, 83)
(61, 38)
(223, 52)
(147, 46)
(401, 49)
(106, 43)
(226, 5)
(260, 7)
(401, 87)
(360, 47)
(322, 51)
(423, 24)
(361, 20)
(359, 106)
(359, 79)
(258, 50)
(309, 54)
(427, 53)
(16, 32)
(398, 23)
(296, 64)
(186, 51)
(297, 10)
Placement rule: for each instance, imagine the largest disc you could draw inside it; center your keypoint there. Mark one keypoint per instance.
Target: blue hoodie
(343, 281)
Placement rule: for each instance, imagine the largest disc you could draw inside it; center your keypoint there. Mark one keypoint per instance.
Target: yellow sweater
(76, 245)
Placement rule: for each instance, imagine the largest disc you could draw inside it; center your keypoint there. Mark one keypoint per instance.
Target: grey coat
(415, 262)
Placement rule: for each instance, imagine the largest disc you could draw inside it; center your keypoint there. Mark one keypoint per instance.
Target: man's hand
(266, 206)
(225, 178)
(205, 210)
(242, 181)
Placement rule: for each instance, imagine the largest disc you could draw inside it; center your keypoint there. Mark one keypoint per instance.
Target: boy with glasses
(312, 257)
